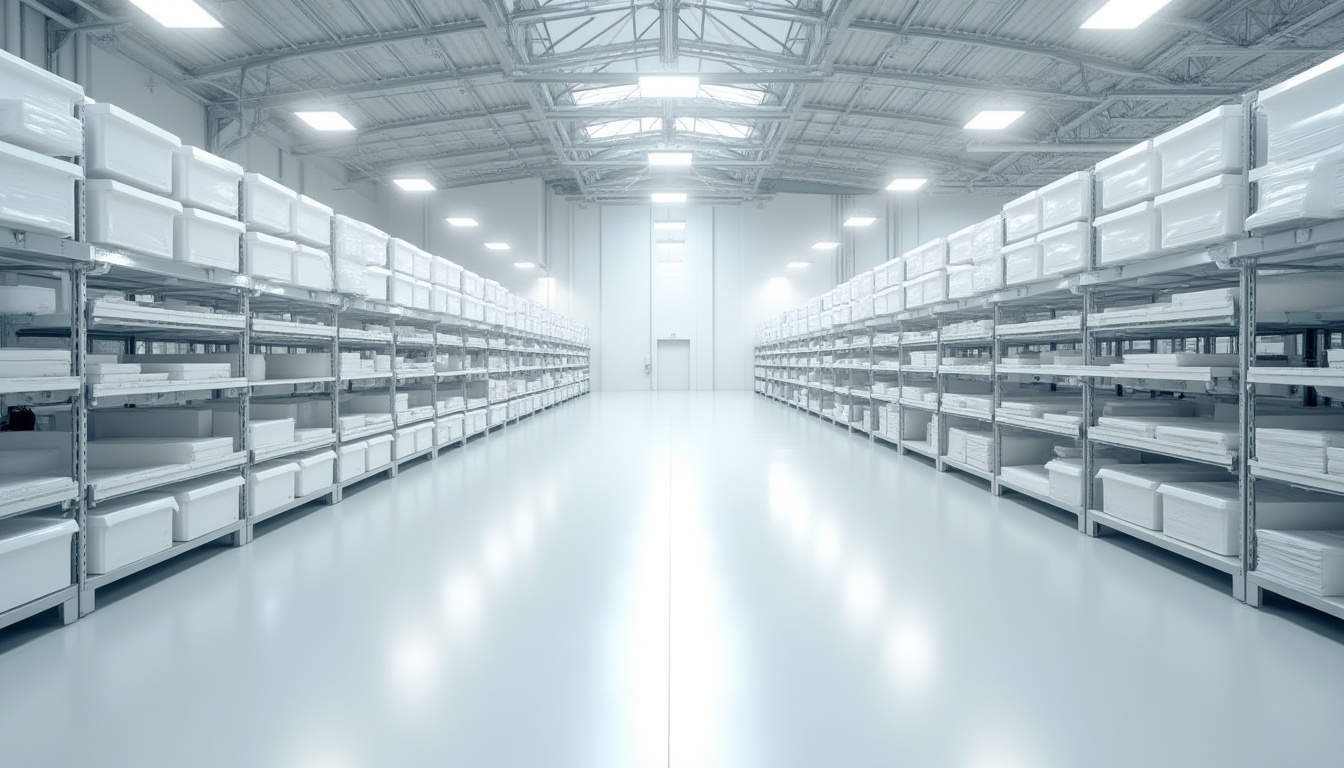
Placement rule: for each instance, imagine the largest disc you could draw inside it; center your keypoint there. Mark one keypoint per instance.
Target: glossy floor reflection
(689, 580)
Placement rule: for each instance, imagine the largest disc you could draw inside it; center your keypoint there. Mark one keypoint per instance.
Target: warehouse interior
(635, 383)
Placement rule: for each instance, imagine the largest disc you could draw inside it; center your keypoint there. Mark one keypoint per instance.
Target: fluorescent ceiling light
(178, 14)
(524, 265)
(1124, 14)
(671, 245)
(497, 246)
(462, 221)
(860, 221)
(414, 185)
(669, 87)
(670, 158)
(907, 185)
(669, 197)
(994, 119)
(799, 264)
(669, 225)
(825, 245)
(325, 121)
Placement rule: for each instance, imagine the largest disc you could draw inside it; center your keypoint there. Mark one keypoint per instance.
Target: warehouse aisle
(693, 580)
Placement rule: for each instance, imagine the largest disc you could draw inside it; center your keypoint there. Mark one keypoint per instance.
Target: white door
(674, 365)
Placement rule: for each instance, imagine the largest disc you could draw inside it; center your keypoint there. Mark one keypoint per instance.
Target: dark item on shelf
(21, 419)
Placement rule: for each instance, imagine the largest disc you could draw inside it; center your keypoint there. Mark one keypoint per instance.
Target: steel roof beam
(565, 11)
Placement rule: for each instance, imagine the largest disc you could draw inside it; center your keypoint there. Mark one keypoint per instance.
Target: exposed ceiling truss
(837, 94)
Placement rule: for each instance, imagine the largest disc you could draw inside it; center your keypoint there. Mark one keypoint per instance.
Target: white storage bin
(405, 442)
(1208, 515)
(448, 430)
(353, 460)
(424, 436)
(317, 472)
(1066, 480)
(974, 243)
(312, 222)
(473, 309)
(37, 109)
(1129, 235)
(268, 205)
(380, 451)
(1205, 213)
(377, 283)
(448, 274)
(1022, 218)
(270, 486)
(1130, 177)
(401, 256)
(1066, 250)
(357, 242)
(402, 290)
(123, 217)
(312, 269)
(1210, 145)
(421, 295)
(1305, 114)
(961, 281)
(207, 239)
(125, 148)
(269, 258)
(1067, 200)
(204, 506)
(987, 276)
(38, 193)
(1022, 262)
(452, 302)
(490, 292)
(202, 180)
(130, 530)
(1131, 489)
(1298, 192)
(34, 558)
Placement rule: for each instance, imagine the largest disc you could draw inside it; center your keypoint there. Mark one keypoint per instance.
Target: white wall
(734, 272)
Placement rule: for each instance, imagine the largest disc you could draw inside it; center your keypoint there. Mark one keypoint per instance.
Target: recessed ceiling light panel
(825, 245)
(462, 221)
(669, 87)
(994, 119)
(907, 185)
(414, 185)
(670, 159)
(1124, 14)
(325, 121)
(497, 246)
(178, 14)
(668, 197)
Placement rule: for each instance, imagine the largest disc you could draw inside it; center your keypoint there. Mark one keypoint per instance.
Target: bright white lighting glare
(670, 268)
(671, 245)
(414, 185)
(178, 14)
(670, 159)
(907, 185)
(498, 555)
(911, 657)
(524, 265)
(860, 221)
(524, 530)
(462, 221)
(994, 119)
(799, 264)
(325, 121)
(1124, 14)
(863, 594)
(414, 667)
(669, 226)
(825, 245)
(826, 543)
(497, 246)
(668, 197)
(669, 87)
(462, 600)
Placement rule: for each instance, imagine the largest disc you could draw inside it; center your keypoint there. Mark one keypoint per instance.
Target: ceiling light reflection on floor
(863, 594)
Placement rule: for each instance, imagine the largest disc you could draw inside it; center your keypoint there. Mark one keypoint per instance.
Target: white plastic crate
(920, 261)
(452, 302)
(380, 451)
(424, 436)
(490, 292)
(1131, 177)
(401, 256)
(34, 558)
(205, 505)
(974, 244)
(122, 217)
(1129, 235)
(37, 109)
(1022, 218)
(472, 285)
(1066, 480)
(317, 471)
(473, 309)
(268, 257)
(960, 281)
(38, 193)
(1298, 192)
(312, 269)
(1305, 114)
(1022, 262)
(1204, 213)
(448, 274)
(202, 180)
(125, 148)
(1131, 490)
(1210, 145)
(207, 239)
(129, 530)
(405, 442)
(1066, 250)
(353, 460)
(421, 294)
(311, 222)
(270, 486)
(359, 243)
(1067, 200)
(987, 276)
(402, 290)
(268, 205)
(378, 283)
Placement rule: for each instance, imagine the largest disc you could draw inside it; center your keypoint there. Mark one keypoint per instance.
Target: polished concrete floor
(694, 581)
